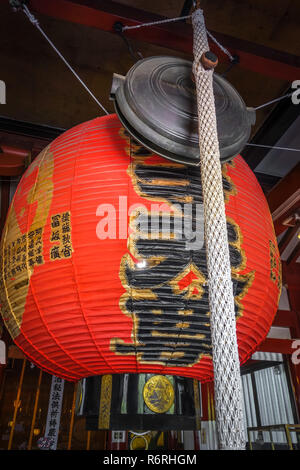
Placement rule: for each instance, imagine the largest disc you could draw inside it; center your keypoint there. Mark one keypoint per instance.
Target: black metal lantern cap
(157, 104)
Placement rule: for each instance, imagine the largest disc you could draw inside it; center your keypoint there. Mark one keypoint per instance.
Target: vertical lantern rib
(134, 334)
(228, 389)
(44, 152)
(3, 277)
(33, 290)
(54, 371)
(9, 303)
(185, 302)
(102, 173)
(72, 262)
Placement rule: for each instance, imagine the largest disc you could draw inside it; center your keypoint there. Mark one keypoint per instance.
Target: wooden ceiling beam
(283, 115)
(11, 165)
(290, 277)
(176, 36)
(294, 255)
(286, 319)
(275, 345)
(288, 237)
(284, 200)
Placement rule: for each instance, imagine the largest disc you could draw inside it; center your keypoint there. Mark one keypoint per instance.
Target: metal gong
(157, 104)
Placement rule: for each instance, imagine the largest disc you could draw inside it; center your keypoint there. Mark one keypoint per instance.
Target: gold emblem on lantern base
(158, 394)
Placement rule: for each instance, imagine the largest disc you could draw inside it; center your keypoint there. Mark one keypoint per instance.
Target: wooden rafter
(288, 237)
(284, 199)
(177, 36)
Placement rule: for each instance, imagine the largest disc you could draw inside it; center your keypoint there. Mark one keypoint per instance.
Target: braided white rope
(227, 380)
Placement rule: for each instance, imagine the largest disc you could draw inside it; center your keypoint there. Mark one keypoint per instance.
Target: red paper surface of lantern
(79, 304)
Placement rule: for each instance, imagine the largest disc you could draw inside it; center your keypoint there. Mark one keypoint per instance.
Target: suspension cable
(273, 101)
(35, 22)
(179, 18)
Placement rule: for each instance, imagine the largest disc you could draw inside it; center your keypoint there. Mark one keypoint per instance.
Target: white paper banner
(54, 411)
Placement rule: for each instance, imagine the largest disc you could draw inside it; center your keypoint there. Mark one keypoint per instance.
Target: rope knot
(30, 16)
(198, 16)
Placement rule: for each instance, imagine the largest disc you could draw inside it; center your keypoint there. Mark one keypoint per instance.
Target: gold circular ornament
(139, 443)
(158, 394)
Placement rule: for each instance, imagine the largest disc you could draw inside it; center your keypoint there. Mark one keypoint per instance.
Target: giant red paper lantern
(79, 304)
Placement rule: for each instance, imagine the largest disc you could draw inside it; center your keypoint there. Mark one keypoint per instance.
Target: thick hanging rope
(227, 380)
